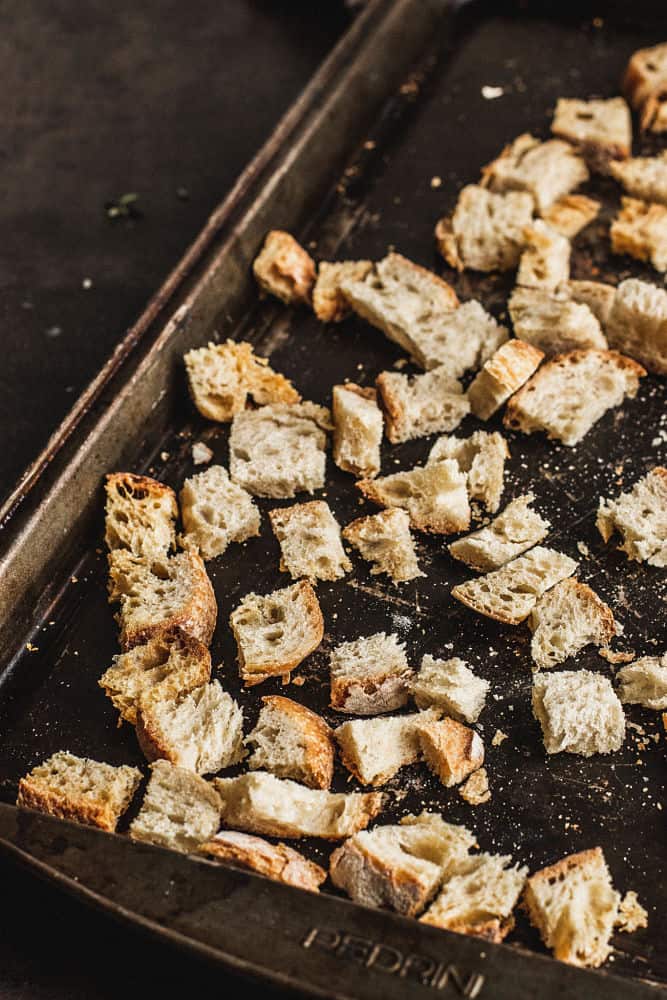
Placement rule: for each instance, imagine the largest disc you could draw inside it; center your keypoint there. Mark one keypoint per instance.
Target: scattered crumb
(584, 549)
(491, 93)
(298, 681)
(616, 657)
(436, 182)
(74, 579)
(631, 914)
(498, 737)
(164, 455)
(86, 283)
(201, 453)
(475, 791)
(31, 649)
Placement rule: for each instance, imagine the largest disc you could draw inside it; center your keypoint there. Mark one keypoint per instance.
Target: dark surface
(99, 101)
(540, 808)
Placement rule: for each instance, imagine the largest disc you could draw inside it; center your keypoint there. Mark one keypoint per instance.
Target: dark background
(168, 100)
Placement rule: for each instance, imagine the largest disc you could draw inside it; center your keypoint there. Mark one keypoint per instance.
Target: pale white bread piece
(510, 593)
(329, 303)
(449, 685)
(201, 453)
(645, 86)
(571, 392)
(567, 618)
(79, 789)
(291, 741)
(451, 750)
(159, 595)
(546, 170)
(140, 515)
(374, 750)
(479, 898)
(165, 667)
(485, 233)
(637, 324)
(278, 451)
(215, 511)
(643, 177)
(369, 675)
(284, 268)
(222, 376)
(501, 376)
(545, 262)
(400, 866)
(510, 534)
(407, 302)
(275, 632)
(644, 682)
(640, 230)
(475, 791)
(640, 517)
(201, 730)
(277, 807)
(180, 810)
(600, 129)
(276, 861)
(631, 914)
(571, 213)
(418, 405)
(310, 541)
(482, 457)
(358, 426)
(434, 495)
(579, 713)
(597, 295)
(553, 322)
(574, 906)
(385, 540)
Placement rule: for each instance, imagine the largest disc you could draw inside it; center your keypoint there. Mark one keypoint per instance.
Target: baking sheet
(438, 127)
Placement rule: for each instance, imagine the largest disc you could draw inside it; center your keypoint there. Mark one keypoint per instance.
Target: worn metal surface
(439, 125)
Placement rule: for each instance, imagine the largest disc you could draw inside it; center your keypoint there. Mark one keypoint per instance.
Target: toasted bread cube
(284, 268)
(601, 129)
(546, 260)
(637, 324)
(277, 807)
(565, 620)
(180, 810)
(405, 301)
(278, 451)
(510, 534)
(374, 750)
(140, 515)
(416, 406)
(156, 597)
(554, 322)
(275, 632)
(546, 170)
(640, 517)
(79, 789)
(291, 741)
(369, 675)
(501, 376)
(645, 86)
(485, 233)
(329, 303)
(482, 457)
(510, 593)
(598, 296)
(385, 540)
(434, 496)
(310, 541)
(643, 177)
(357, 429)
(479, 898)
(579, 713)
(571, 213)
(571, 392)
(165, 667)
(400, 866)
(640, 230)
(574, 906)
(216, 512)
(451, 750)
(276, 861)
(201, 730)
(222, 376)
(644, 682)
(450, 685)
(475, 790)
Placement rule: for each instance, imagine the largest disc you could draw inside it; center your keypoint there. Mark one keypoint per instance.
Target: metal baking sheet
(432, 134)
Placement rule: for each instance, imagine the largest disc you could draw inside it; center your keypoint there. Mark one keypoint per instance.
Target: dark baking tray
(350, 170)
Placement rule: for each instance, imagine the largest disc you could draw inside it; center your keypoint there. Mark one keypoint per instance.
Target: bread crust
(284, 268)
(405, 890)
(329, 302)
(452, 751)
(276, 861)
(514, 362)
(643, 92)
(318, 739)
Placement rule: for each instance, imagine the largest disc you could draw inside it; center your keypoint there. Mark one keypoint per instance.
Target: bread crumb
(475, 791)
(583, 549)
(491, 93)
(298, 681)
(436, 182)
(616, 657)
(631, 914)
(201, 453)
(498, 738)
